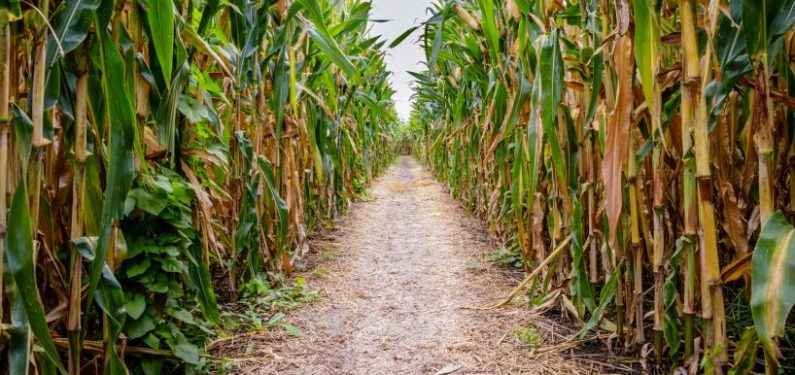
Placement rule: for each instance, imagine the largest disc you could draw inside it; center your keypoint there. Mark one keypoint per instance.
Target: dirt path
(403, 261)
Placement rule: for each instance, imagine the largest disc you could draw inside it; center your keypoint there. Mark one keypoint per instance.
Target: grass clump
(265, 301)
(529, 336)
(507, 257)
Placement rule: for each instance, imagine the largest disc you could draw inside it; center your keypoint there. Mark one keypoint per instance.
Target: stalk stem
(712, 296)
(5, 92)
(73, 324)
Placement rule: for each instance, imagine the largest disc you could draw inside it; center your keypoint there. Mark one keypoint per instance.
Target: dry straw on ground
(403, 263)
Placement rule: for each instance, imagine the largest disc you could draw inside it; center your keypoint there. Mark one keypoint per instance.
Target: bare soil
(392, 279)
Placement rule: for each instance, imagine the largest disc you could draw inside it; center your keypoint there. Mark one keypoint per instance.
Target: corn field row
(155, 155)
(642, 151)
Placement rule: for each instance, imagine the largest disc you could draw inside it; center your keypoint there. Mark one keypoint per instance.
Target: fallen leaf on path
(449, 369)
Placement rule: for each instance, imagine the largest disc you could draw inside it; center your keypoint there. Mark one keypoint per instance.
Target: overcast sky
(406, 57)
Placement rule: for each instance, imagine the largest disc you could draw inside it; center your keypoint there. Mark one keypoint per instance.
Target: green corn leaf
(11, 8)
(533, 153)
(488, 22)
(745, 353)
(403, 37)
(70, 28)
(27, 309)
(195, 40)
(523, 5)
(763, 22)
(210, 9)
(437, 40)
(519, 176)
(160, 14)
(581, 290)
(329, 46)
(773, 281)
(199, 275)
(317, 155)
(121, 121)
(166, 115)
(375, 107)
(23, 130)
(551, 90)
(784, 19)
(280, 204)
(605, 297)
(20, 263)
(18, 333)
(324, 40)
(647, 47)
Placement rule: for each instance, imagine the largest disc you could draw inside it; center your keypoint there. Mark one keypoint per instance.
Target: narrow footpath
(391, 280)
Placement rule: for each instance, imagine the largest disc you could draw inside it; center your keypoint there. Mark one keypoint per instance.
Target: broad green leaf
(149, 203)
(138, 268)
(194, 39)
(647, 47)
(27, 309)
(210, 9)
(551, 90)
(11, 8)
(523, 5)
(323, 39)
(581, 290)
(199, 277)
(403, 37)
(23, 130)
(70, 28)
(20, 263)
(279, 203)
(166, 115)
(135, 306)
(436, 47)
(746, 352)
(605, 297)
(139, 327)
(534, 131)
(152, 366)
(121, 121)
(18, 333)
(160, 14)
(764, 21)
(488, 22)
(784, 19)
(773, 281)
(188, 353)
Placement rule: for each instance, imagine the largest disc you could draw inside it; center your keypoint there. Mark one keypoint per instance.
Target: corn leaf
(322, 37)
(773, 281)
(20, 263)
(278, 201)
(70, 28)
(121, 121)
(550, 68)
(11, 8)
(488, 22)
(647, 47)
(160, 14)
(617, 133)
(403, 37)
